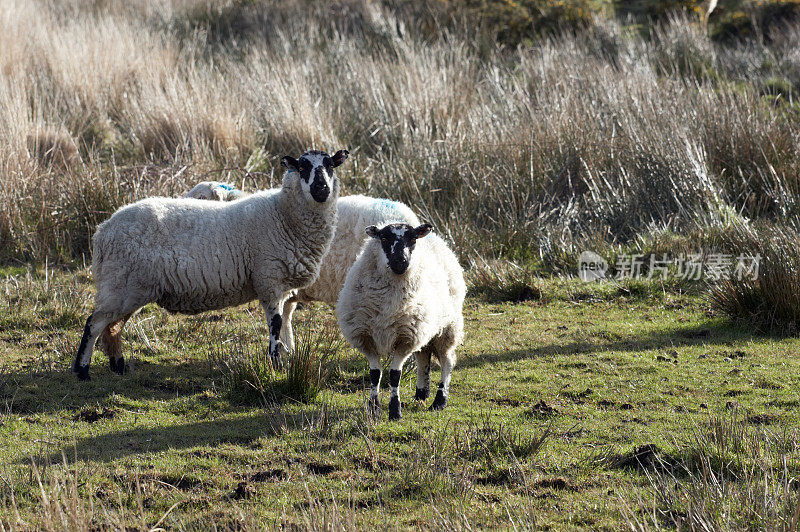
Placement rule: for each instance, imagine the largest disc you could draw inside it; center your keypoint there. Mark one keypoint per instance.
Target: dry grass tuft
(53, 148)
(249, 374)
(730, 476)
(498, 281)
(769, 303)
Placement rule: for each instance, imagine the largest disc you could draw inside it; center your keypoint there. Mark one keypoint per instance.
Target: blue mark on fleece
(389, 204)
(226, 186)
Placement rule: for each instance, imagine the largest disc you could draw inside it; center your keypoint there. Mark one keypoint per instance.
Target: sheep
(189, 255)
(214, 190)
(354, 214)
(404, 295)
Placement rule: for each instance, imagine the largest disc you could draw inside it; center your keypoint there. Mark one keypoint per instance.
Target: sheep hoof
(439, 403)
(394, 409)
(422, 394)
(118, 365)
(83, 373)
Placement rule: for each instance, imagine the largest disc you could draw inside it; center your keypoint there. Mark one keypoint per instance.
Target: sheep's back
(187, 255)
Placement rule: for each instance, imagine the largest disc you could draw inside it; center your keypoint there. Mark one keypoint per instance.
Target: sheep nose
(399, 268)
(320, 190)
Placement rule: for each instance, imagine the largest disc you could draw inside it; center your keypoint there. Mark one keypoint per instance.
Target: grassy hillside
(601, 136)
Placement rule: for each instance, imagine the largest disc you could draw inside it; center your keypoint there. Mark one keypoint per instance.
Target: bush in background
(762, 19)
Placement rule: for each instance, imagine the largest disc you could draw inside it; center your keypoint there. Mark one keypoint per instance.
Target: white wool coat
(385, 314)
(214, 191)
(355, 213)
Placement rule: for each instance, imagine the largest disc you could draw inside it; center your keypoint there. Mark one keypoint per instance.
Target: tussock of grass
(53, 148)
(250, 377)
(316, 354)
(771, 301)
(498, 281)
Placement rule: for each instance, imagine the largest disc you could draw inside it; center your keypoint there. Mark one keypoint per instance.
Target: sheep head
(315, 172)
(397, 242)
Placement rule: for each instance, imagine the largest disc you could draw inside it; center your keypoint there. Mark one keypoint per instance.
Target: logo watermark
(689, 267)
(591, 267)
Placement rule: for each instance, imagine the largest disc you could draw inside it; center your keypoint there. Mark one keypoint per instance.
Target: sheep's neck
(308, 224)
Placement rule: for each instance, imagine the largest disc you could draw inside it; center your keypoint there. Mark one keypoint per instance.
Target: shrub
(520, 22)
(759, 18)
(650, 10)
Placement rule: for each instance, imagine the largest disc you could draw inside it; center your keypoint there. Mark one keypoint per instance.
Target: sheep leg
(111, 343)
(374, 404)
(275, 321)
(95, 324)
(444, 384)
(423, 374)
(287, 334)
(394, 383)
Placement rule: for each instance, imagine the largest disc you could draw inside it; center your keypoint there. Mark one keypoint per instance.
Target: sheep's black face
(316, 171)
(398, 242)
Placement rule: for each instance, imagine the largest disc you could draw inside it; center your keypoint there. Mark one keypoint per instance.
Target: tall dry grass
(532, 153)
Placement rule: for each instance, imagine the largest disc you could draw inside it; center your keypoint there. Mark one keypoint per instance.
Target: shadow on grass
(242, 430)
(114, 445)
(30, 390)
(712, 334)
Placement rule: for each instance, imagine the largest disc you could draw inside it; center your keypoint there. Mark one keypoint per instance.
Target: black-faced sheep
(404, 295)
(354, 214)
(190, 256)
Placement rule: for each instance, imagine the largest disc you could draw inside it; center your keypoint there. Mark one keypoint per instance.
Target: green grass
(548, 401)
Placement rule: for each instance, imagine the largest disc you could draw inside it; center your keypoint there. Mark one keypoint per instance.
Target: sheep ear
(339, 157)
(290, 163)
(372, 231)
(422, 230)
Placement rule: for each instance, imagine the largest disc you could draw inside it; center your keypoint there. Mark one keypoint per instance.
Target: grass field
(526, 132)
(597, 406)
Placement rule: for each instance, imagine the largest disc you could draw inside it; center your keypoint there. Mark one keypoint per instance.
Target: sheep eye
(327, 161)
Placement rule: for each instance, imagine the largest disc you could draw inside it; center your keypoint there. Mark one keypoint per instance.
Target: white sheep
(215, 191)
(354, 214)
(190, 255)
(404, 295)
